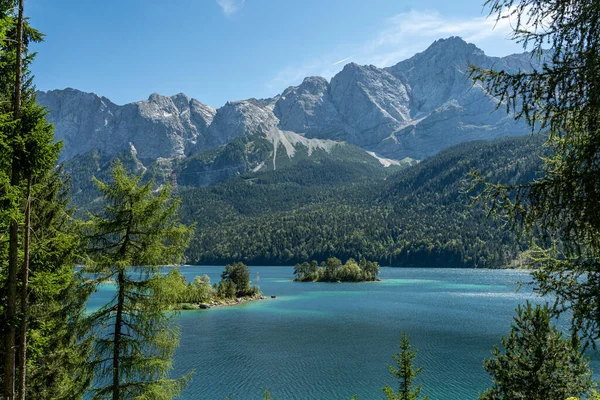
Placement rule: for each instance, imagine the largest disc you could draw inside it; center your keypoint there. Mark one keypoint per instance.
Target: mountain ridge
(413, 109)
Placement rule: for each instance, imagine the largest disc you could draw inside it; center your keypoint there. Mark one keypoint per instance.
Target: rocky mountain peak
(454, 44)
(315, 85)
(413, 109)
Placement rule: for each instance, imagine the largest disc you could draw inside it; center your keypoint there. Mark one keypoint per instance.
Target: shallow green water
(330, 341)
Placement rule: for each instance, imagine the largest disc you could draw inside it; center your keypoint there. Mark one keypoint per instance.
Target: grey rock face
(371, 101)
(415, 109)
(158, 127)
(308, 109)
(241, 117)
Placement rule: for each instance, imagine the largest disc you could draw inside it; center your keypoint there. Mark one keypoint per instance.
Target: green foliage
(85, 169)
(226, 289)
(537, 362)
(406, 373)
(419, 217)
(562, 102)
(136, 232)
(57, 344)
(334, 271)
(238, 274)
(187, 296)
(199, 291)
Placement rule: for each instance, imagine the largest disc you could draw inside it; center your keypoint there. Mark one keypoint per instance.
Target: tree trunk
(24, 298)
(117, 335)
(13, 247)
(11, 302)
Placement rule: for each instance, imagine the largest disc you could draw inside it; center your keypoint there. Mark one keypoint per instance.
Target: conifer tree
(29, 155)
(58, 345)
(561, 101)
(406, 373)
(10, 362)
(537, 362)
(136, 232)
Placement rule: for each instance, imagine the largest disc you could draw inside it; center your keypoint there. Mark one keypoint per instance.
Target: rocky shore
(220, 303)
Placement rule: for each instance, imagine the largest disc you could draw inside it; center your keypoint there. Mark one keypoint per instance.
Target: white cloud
(401, 36)
(230, 7)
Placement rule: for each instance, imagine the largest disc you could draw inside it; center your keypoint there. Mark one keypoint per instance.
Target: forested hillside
(343, 207)
(417, 217)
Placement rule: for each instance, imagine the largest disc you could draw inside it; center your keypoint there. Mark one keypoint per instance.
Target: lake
(334, 340)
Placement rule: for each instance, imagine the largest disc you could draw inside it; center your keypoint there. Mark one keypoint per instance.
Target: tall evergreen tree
(406, 373)
(58, 346)
(561, 101)
(10, 363)
(537, 363)
(43, 353)
(27, 161)
(136, 232)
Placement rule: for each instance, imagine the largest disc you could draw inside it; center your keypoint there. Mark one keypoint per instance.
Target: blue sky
(219, 50)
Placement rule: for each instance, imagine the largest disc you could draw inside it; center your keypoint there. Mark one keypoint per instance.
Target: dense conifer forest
(416, 216)
(413, 218)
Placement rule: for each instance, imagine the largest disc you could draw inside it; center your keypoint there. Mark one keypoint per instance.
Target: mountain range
(379, 116)
(372, 163)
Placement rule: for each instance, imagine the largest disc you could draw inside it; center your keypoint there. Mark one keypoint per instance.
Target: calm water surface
(331, 341)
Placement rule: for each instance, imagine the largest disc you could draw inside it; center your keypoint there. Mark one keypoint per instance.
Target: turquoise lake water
(333, 340)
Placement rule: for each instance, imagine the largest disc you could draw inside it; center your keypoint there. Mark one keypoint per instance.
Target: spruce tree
(537, 362)
(406, 373)
(58, 344)
(136, 232)
(27, 162)
(10, 361)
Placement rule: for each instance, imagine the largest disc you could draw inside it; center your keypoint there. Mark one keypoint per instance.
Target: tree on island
(334, 271)
(235, 282)
(136, 232)
(237, 274)
(537, 363)
(406, 373)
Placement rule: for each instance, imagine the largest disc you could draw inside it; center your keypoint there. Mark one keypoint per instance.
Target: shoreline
(217, 303)
(309, 281)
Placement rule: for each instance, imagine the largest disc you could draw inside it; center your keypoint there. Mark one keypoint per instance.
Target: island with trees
(234, 288)
(334, 271)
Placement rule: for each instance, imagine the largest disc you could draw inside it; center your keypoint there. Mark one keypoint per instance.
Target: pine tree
(537, 363)
(405, 372)
(136, 232)
(561, 101)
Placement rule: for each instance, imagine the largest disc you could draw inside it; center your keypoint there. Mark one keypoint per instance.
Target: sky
(220, 50)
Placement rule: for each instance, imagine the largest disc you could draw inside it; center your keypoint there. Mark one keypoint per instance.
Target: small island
(334, 271)
(234, 288)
